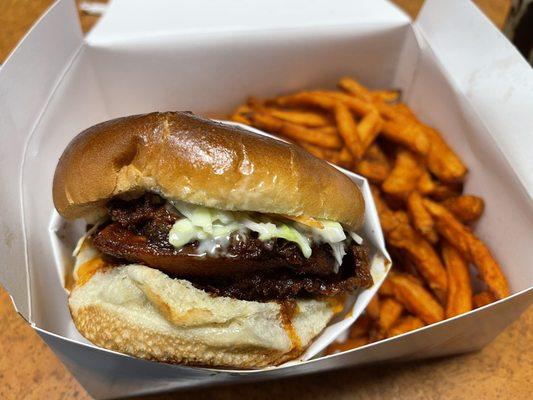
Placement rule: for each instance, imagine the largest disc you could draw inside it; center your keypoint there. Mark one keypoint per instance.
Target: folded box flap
(489, 71)
(27, 81)
(127, 20)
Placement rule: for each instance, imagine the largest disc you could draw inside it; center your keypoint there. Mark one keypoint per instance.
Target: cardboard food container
(455, 70)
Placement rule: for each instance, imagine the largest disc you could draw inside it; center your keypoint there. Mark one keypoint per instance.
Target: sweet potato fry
(466, 208)
(459, 300)
(482, 299)
(306, 118)
(358, 106)
(369, 128)
(441, 159)
(424, 257)
(443, 191)
(404, 176)
(348, 344)
(307, 99)
(386, 288)
(296, 132)
(389, 313)
(325, 100)
(416, 299)
(345, 158)
(376, 334)
(404, 110)
(406, 324)
(388, 96)
(372, 310)
(403, 127)
(387, 217)
(402, 262)
(241, 118)
(415, 279)
(389, 112)
(408, 134)
(402, 235)
(255, 103)
(422, 220)
(329, 130)
(333, 156)
(473, 249)
(360, 327)
(315, 150)
(353, 87)
(426, 185)
(347, 128)
(240, 115)
(374, 165)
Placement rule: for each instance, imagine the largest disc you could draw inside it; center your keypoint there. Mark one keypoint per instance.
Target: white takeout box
(454, 68)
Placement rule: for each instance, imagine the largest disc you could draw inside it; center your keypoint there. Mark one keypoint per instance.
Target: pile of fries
(417, 183)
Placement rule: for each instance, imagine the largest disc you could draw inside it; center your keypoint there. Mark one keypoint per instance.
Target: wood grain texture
(29, 370)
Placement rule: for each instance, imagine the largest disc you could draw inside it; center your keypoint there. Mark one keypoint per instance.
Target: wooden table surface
(504, 369)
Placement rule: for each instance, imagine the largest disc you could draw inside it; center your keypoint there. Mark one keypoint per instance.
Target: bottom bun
(142, 312)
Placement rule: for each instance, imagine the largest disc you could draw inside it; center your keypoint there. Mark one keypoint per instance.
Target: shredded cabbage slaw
(204, 223)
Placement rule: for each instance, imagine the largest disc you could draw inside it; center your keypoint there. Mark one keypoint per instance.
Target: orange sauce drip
(302, 219)
(288, 310)
(69, 280)
(336, 304)
(305, 220)
(88, 269)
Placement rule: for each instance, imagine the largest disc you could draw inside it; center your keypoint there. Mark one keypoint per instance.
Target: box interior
(213, 73)
(56, 85)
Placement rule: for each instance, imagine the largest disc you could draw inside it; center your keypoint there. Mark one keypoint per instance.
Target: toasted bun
(184, 157)
(140, 311)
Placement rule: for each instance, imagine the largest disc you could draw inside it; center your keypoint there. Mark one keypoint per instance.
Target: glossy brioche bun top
(183, 157)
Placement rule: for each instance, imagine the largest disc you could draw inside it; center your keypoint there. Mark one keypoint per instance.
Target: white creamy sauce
(218, 246)
(212, 247)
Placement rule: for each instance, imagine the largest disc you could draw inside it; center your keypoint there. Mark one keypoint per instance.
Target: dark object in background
(519, 27)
